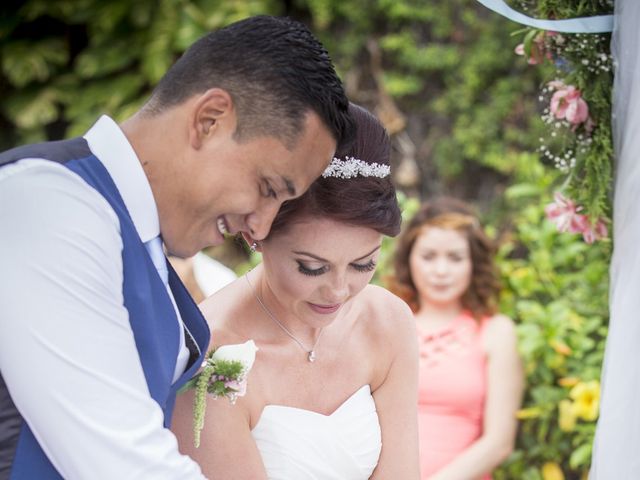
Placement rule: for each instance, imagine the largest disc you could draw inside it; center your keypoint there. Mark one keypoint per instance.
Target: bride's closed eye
(358, 267)
(364, 267)
(312, 272)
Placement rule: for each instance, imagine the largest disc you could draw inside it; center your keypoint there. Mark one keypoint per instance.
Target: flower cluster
(535, 49)
(567, 217)
(583, 403)
(576, 109)
(224, 374)
(567, 104)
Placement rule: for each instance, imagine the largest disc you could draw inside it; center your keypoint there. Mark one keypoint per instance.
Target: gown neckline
(340, 407)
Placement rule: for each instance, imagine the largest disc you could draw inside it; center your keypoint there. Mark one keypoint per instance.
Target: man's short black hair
(275, 70)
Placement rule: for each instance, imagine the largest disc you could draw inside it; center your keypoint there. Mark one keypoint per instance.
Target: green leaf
(24, 62)
(581, 456)
(528, 41)
(32, 110)
(106, 59)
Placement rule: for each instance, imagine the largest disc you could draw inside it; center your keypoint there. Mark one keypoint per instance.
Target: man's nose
(259, 222)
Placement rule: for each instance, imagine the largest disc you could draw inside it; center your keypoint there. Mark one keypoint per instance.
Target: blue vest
(151, 315)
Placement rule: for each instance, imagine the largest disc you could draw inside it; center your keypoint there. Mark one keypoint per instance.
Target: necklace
(311, 354)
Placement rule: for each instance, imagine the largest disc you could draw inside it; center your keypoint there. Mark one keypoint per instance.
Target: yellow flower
(586, 396)
(566, 415)
(552, 471)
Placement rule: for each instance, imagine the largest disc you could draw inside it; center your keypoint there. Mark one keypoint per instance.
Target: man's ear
(212, 112)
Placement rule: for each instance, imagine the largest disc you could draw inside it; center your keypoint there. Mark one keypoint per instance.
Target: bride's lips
(325, 309)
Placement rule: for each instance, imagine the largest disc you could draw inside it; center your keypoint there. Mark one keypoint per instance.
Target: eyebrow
(320, 259)
(457, 250)
(291, 188)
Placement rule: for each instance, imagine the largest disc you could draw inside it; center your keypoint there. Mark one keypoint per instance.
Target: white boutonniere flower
(245, 353)
(224, 374)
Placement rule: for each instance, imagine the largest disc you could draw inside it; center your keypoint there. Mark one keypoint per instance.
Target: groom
(97, 333)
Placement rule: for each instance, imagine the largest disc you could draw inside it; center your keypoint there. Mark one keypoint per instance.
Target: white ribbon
(596, 24)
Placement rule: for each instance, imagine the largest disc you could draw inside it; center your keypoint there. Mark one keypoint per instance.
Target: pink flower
(567, 103)
(592, 232)
(538, 50)
(533, 57)
(239, 387)
(589, 124)
(564, 214)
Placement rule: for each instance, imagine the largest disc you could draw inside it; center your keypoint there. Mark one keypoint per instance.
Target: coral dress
(452, 390)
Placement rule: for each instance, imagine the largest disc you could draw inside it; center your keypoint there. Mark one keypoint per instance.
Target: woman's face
(316, 266)
(440, 266)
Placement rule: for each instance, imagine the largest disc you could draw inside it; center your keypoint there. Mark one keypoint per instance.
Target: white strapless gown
(298, 444)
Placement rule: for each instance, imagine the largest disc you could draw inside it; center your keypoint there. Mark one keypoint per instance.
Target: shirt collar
(109, 143)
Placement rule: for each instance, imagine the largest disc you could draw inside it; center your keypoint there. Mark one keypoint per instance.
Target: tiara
(352, 167)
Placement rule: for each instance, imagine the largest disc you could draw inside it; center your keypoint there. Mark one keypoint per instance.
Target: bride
(332, 393)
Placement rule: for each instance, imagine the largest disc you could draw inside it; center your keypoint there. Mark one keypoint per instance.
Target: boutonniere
(224, 374)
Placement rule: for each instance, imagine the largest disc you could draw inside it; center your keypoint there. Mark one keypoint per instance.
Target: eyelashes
(311, 272)
(358, 267)
(367, 267)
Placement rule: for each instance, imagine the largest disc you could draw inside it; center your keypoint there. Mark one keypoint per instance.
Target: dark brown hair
(449, 213)
(275, 70)
(360, 201)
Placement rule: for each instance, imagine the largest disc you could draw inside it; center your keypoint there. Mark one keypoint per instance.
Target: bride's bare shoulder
(226, 312)
(383, 304)
(388, 314)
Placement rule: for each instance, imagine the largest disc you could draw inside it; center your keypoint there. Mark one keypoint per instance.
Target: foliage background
(464, 114)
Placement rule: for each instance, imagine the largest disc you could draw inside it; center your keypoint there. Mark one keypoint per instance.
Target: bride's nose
(337, 288)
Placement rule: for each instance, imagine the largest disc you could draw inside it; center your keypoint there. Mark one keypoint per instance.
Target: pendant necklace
(311, 354)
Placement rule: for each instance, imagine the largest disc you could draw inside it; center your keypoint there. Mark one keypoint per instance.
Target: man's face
(229, 186)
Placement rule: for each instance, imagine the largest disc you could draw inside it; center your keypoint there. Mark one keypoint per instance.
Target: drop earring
(253, 247)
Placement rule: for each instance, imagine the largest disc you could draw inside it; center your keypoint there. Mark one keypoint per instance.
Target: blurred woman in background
(471, 379)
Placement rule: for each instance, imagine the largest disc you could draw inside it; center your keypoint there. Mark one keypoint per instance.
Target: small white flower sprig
(224, 374)
(352, 167)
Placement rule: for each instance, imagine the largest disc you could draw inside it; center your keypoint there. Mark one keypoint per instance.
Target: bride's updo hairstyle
(361, 200)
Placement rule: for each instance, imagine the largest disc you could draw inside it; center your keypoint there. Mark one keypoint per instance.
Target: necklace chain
(311, 354)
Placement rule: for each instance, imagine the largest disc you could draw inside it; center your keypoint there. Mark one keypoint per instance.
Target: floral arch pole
(617, 441)
(586, 156)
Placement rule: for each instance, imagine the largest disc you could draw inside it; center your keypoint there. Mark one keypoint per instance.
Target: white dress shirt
(67, 351)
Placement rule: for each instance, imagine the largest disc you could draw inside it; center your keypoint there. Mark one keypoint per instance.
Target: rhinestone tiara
(352, 167)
